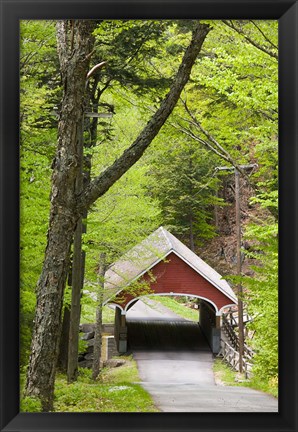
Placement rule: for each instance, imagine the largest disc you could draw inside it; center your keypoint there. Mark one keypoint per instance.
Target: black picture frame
(286, 12)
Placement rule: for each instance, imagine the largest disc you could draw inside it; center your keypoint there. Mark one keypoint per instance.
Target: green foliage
(116, 391)
(40, 86)
(34, 208)
(262, 301)
(234, 96)
(182, 179)
(128, 373)
(82, 346)
(226, 375)
(129, 47)
(30, 404)
(39, 92)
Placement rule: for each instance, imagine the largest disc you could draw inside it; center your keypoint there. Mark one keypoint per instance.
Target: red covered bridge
(168, 267)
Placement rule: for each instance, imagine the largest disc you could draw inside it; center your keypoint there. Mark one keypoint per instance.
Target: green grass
(116, 390)
(229, 377)
(124, 374)
(177, 307)
(89, 312)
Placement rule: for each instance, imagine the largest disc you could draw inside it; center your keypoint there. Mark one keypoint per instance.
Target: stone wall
(108, 347)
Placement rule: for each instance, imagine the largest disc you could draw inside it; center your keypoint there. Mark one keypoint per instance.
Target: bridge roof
(144, 256)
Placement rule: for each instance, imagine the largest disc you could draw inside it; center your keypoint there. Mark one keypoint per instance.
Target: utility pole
(248, 167)
(239, 268)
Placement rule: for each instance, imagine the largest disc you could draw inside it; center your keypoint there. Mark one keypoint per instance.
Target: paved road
(175, 366)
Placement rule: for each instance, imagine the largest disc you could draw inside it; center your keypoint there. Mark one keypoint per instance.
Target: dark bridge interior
(167, 335)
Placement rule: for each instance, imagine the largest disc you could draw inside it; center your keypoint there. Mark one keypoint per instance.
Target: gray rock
(90, 342)
(85, 364)
(113, 363)
(89, 356)
(87, 336)
(87, 328)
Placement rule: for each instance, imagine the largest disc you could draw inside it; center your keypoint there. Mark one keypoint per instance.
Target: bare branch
(251, 41)
(98, 66)
(264, 36)
(216, 147)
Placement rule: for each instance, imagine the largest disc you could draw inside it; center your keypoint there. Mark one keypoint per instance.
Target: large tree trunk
(74, 46)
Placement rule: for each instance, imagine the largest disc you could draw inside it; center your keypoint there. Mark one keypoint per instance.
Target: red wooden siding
(174, 275)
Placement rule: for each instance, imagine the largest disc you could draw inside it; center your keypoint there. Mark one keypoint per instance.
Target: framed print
(211, 88)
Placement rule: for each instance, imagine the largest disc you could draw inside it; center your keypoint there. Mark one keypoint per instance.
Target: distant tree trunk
(97, 337)
(63, 346)
(191, 235)
(74, 55)
(77, 277)
(75, 311)
(74, 49)
(216, 220)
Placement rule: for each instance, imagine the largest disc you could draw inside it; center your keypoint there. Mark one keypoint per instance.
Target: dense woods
(124, 127)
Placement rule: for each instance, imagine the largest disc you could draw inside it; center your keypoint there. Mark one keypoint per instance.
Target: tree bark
(97, 336)
(66, 207)
(74, 55)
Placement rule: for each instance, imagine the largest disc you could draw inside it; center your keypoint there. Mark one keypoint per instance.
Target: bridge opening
(164, 322)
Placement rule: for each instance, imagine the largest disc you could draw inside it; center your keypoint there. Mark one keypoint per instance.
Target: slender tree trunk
(75, 311)
(78, 268)
(63, 345)
(216, 219)
(191, 235)
(77, 277)
(74, 49)
(74, 55)
(97, 337)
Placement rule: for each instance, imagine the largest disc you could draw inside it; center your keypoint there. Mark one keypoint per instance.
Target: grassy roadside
(226, 376)
(116, 390)
(176, 307)
(89, 312)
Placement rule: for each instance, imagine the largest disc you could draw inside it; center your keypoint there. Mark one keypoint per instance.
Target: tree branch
(216, 148)
(264, 36)
(251, 41)
(130, 156)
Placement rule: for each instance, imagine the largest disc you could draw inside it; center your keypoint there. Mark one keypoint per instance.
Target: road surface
(175, 365)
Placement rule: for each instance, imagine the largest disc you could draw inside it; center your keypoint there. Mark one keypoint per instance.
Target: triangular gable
(154, 249)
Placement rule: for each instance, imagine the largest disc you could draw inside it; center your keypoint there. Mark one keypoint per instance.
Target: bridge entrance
(162, 265)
